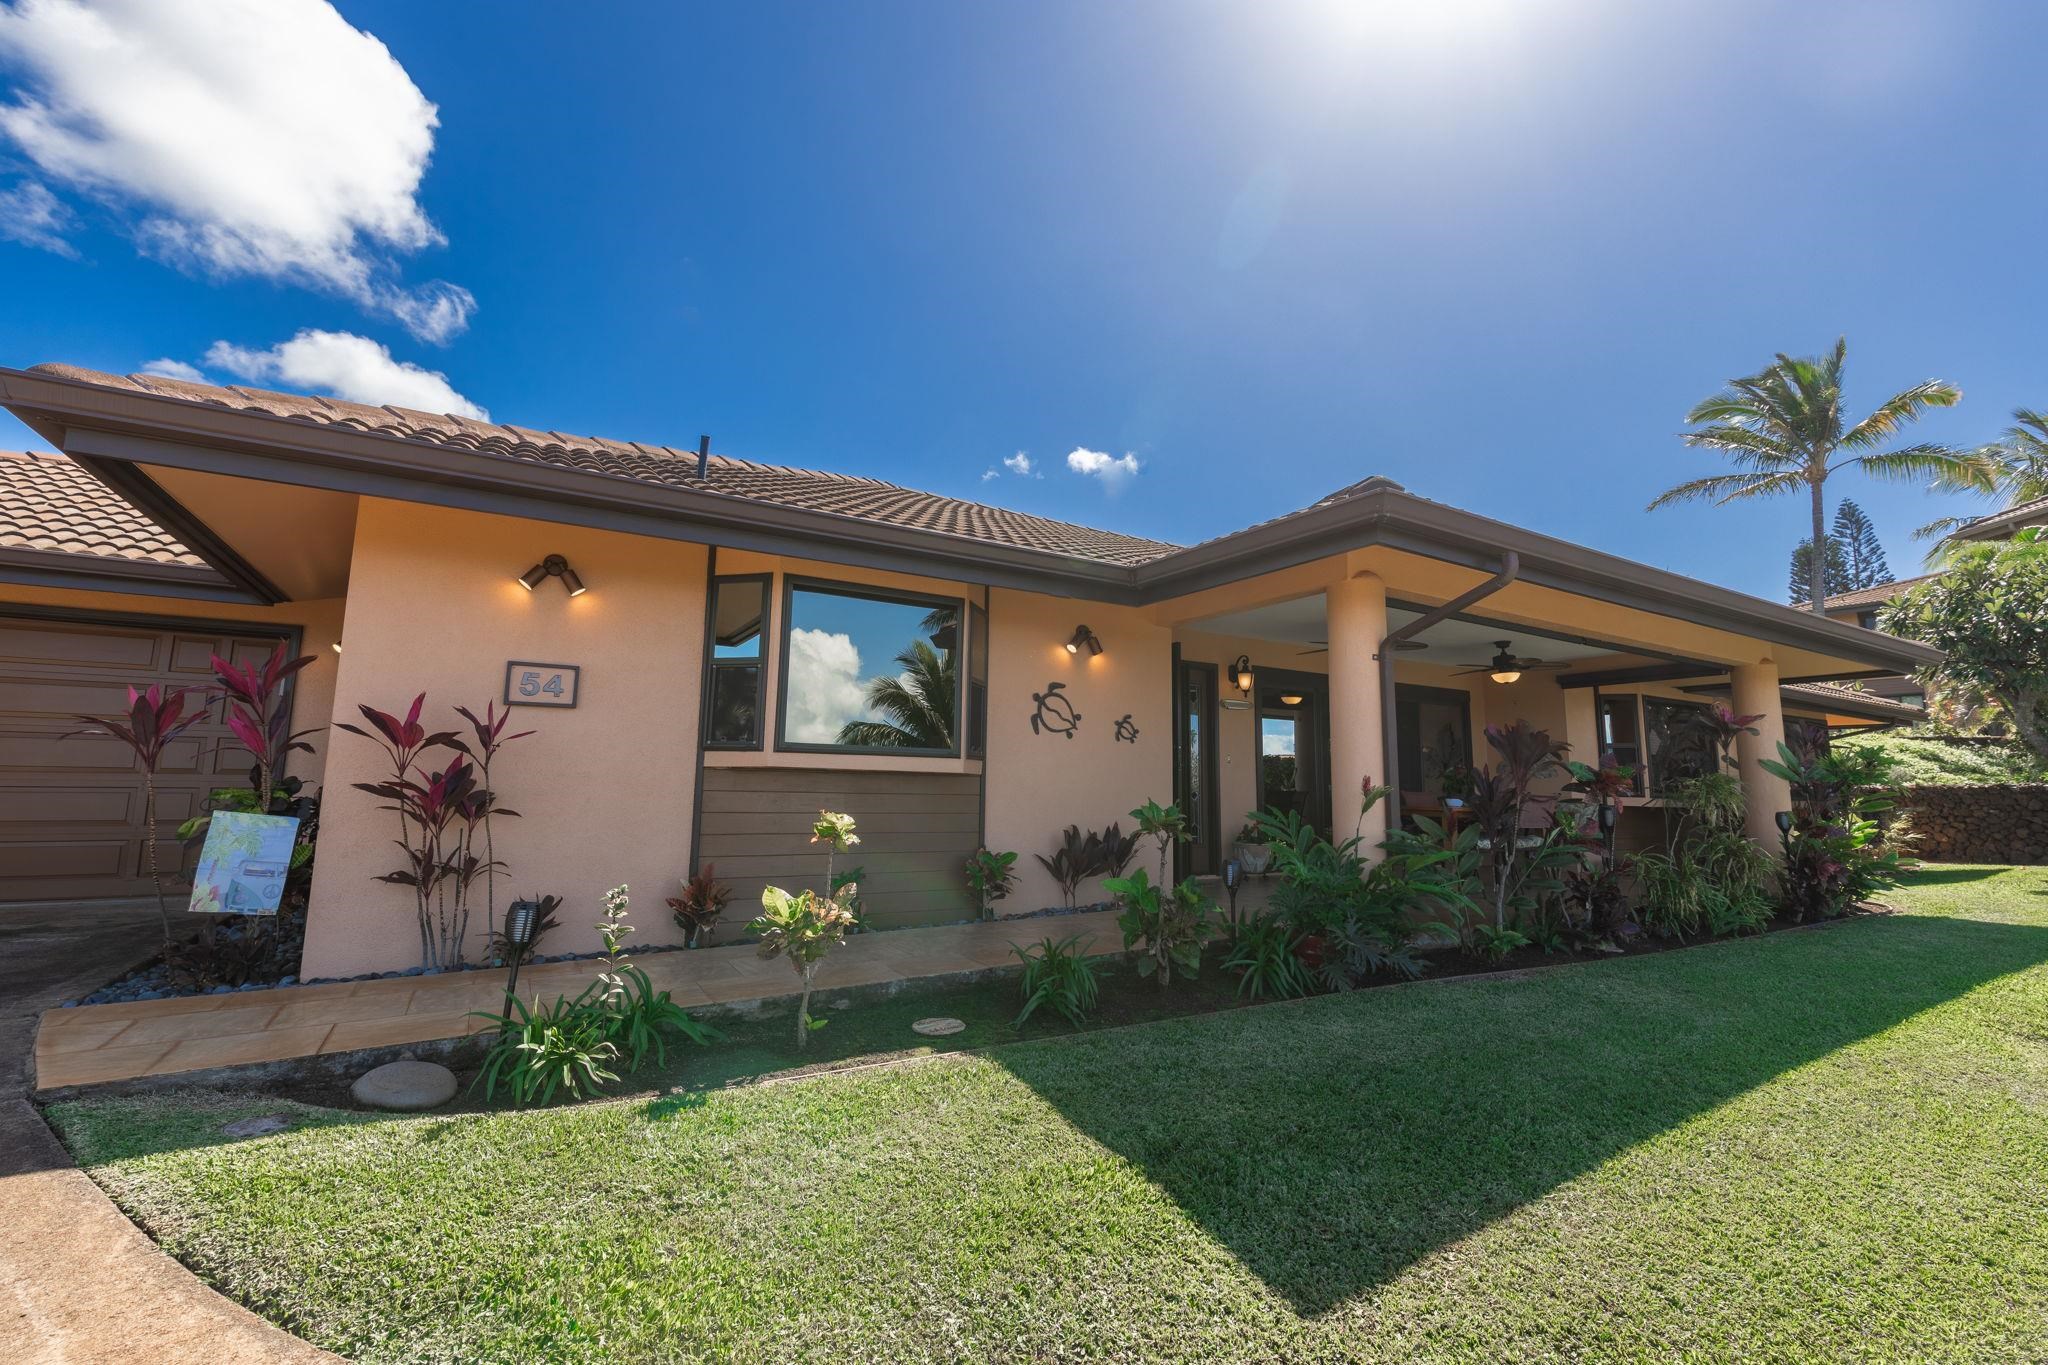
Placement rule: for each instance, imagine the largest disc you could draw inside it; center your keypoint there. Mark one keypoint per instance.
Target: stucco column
(1763, 796)
(1357, 619)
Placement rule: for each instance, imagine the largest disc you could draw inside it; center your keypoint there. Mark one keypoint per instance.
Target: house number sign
(530, 684)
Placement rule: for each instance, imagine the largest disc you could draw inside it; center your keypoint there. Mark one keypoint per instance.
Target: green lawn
(1818, 1145)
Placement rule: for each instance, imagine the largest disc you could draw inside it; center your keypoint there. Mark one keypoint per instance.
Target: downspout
(1510, 569)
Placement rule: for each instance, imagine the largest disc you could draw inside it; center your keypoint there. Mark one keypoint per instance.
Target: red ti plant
(155, 718)
(1500, 794)
(257, 714)
(1721, 726)
(441, 816)
(490, 737)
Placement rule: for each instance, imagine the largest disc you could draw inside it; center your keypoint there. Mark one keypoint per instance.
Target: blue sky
(1493, 250)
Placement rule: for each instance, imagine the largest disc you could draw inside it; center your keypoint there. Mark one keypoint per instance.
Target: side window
(734, 682)
(867, 671)
(1679, 749)
(1621, 735)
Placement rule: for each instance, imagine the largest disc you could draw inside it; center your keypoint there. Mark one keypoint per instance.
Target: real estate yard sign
(243, 863)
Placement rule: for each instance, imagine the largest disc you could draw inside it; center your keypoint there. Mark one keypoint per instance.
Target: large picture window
(1621, 735)
(735, 683)
(869, 672)
(1680, 749)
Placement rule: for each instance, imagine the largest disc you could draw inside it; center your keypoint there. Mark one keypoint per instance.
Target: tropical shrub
(1833, 854)
(1118, 848)
(1076, 859)
(539, 1051)
(991, 877)
(1172, 922)
(1267, 960)
(1987, 612)
(697, 909)
(1329, 891)
(443, 820)
(257, 714)
(1708, 877)
(1521, 866)
(1059, 975)
(806, 927)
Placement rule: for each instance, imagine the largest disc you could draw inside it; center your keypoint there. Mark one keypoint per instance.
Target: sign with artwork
(529, 684)
(243, 863)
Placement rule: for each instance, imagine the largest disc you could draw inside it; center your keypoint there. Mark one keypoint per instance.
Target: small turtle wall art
(1055, 714)
(1126, 730)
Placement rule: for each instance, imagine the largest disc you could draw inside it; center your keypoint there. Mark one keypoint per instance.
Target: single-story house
(700, 643)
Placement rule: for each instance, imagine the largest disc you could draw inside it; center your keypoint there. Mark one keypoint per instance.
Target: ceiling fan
(1504, 666)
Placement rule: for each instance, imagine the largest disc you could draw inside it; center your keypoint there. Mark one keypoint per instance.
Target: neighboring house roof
(809, 489)
(115, 423)
(1851, 701)
(49, 504)
(1876, 595)
(1998, 525)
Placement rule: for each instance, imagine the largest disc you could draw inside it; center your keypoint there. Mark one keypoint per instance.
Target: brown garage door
(71, 809)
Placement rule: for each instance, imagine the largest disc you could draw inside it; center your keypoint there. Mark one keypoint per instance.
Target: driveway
(79, 1283)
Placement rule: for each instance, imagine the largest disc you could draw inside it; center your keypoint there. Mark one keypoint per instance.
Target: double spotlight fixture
(1083, 638)
(554, 566)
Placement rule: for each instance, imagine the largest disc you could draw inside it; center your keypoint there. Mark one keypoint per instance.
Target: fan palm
(1783, 427)
(919, 703)
(2014, 467)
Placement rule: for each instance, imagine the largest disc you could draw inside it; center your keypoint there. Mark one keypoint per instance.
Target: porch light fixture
(1241, 671)
(1291, 699)
(554, 566)
(1084, 638)
(1506, 675)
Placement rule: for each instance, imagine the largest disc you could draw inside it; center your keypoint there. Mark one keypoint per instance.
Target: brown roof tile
(808, 489)
(1875, 595)
(1826, 694)
(49, 503)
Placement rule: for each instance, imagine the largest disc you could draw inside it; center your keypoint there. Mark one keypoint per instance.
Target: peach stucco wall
(319, 624)
(1038, 783)
(604, 790)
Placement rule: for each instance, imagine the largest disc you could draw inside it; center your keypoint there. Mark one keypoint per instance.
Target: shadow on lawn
(1330, 1143)
(1942, 874)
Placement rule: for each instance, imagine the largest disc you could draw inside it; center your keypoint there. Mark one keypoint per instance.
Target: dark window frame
(1650, 759)
(1632, 702)
(712, 664)
(975, 694)
(832, 587)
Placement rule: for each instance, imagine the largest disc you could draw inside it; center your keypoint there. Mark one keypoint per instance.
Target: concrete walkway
(93, 1044)
(79, 1283)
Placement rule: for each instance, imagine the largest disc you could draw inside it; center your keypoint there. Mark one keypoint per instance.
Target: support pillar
(1763, 796)
(1356, 609)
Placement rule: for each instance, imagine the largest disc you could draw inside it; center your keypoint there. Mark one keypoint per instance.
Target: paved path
(97, 1043)
(79, 1283)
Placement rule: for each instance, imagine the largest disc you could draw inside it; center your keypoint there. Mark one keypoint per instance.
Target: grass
(1816, 1145)
(1930, 760)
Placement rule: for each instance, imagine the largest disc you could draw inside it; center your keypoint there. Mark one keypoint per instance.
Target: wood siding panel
(916, 831)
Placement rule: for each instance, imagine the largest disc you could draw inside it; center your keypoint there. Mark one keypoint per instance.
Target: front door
(1294, 745)
(1194, 767)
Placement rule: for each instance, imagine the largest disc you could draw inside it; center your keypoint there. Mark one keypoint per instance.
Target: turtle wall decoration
(1056, 714)
(1126, 731)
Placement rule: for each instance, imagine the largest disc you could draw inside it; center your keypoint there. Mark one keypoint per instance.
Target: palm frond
(1923, 461)
(1900, 409)
(1726, 488)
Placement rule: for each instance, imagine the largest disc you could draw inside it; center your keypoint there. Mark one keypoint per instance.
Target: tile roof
(1834, 694)
(811, 490)
(2004, 522)
(1875, 595)
(49, 503)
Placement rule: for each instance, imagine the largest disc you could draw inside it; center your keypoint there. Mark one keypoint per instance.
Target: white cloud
(255, 137)
(33, 216)
(988, 474)
(175, 369)
(347, 366)
(1113, 470)
(1020, 465)
(825, 686)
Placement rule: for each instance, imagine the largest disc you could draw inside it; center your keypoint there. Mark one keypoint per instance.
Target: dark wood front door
(71, 825)
(1194, 767)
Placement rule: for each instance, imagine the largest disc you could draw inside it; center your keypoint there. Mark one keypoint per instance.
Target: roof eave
(105, 573)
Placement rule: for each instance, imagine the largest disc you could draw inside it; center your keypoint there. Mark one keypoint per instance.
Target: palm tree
(920, 703)
(2014, 467)
(1783, 428)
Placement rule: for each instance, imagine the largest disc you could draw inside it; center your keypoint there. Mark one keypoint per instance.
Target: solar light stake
(1233, 877)
(519, 921)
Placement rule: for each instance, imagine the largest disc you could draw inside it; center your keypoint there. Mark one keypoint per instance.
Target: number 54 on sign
(531, 684)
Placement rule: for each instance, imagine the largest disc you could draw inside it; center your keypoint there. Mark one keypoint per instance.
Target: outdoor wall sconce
(1242, 672)
(554, 566)
(1084, 638)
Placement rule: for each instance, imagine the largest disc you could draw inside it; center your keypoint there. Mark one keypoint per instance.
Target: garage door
(71, 809)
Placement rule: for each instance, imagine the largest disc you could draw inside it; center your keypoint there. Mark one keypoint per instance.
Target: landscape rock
(2006, 823)
(405, 1085)
(256, 1127)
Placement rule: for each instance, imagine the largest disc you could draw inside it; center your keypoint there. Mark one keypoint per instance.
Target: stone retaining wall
(1985, 824)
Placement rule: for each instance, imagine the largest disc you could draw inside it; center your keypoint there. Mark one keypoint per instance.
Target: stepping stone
(405, 1085)
(256, 1127)
(937, 1027)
